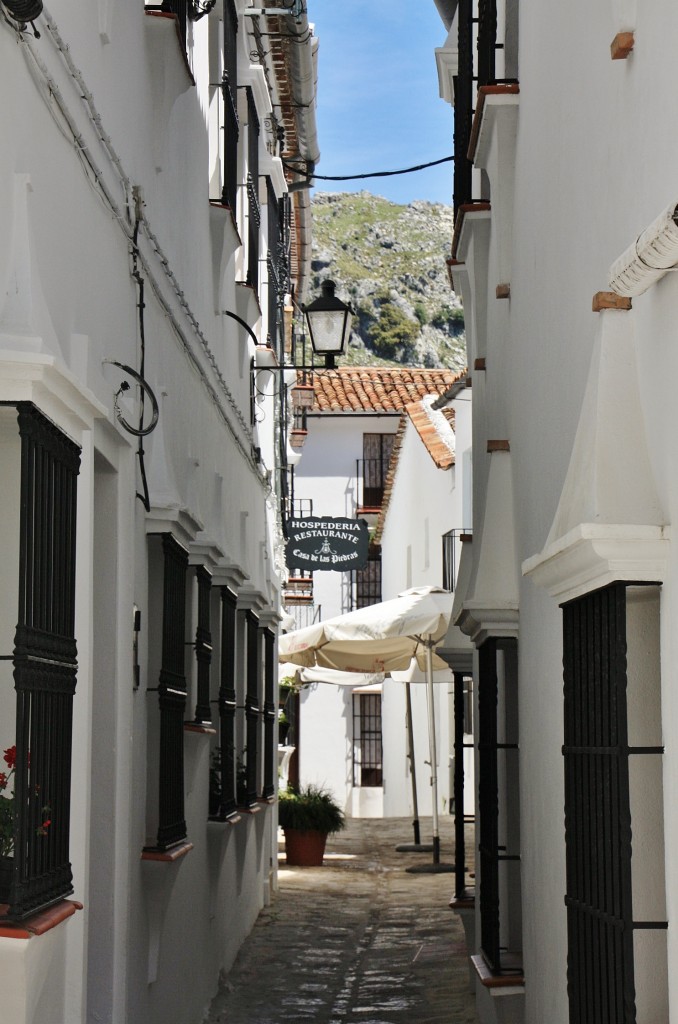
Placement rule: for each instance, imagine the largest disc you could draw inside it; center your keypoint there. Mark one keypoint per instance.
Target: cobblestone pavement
(358, 941)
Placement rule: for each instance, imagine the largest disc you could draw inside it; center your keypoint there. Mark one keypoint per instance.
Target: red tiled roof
(377, 388)
(432, 433)
(442, 454)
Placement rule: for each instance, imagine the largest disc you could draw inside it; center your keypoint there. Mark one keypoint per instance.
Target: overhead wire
(312, 176)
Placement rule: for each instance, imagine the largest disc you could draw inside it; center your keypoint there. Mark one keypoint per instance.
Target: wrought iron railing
(44, 666)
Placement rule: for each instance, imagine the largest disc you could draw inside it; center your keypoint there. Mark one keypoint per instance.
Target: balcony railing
(371, 474)
(451, 540)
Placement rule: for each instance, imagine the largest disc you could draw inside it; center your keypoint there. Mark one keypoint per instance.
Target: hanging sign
(318, 543)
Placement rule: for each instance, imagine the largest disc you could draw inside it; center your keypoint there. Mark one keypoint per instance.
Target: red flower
(10, 756)
(3, 780)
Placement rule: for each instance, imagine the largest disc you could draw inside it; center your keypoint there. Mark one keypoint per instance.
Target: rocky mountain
(389, 261)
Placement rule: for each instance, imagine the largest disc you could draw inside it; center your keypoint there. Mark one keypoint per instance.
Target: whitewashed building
(565, 239)
(376, 448)
(151, 240)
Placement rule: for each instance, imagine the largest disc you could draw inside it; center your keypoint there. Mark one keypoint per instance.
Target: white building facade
(563, 168)
(150, 242)
(376, 449)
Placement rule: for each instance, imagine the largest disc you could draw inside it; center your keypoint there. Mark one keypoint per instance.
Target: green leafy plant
(310, 809)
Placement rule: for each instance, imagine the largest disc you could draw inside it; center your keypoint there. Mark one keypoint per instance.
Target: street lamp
(329, 324)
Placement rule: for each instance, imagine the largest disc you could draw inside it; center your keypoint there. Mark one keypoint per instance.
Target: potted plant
(307, 816)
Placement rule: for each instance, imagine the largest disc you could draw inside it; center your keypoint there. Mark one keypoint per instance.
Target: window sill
(203, 730)
(232, 819)
(466, 901)
(38, 924)
(166, 856)
(490, 979)
(249, 810)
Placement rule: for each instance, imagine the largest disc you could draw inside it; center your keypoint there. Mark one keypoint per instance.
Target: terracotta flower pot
(304, 849)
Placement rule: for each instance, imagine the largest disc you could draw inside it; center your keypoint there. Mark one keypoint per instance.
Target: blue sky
(378, 102)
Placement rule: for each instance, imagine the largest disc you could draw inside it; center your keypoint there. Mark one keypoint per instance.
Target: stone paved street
(358, 941)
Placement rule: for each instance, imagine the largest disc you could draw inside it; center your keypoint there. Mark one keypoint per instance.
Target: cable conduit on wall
(42, 77)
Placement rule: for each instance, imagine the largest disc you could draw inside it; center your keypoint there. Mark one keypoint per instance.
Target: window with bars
(252, 706)
(367, 581)
(463, 725)
(367, 741)
(498, 806)
(270, 717)
(166, 743)
(44, 465)
(372, 469)
(253, 207)
(226, 772)
(613, 792)
(229, 93)
(203, 647)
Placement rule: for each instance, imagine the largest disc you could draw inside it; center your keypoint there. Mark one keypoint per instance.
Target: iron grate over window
(44, 665)
(203, 646)
(253, 207)
(367, 740)
(367, 581)
(172, 696)
(598, 837)
(252, 705)
(229, 92)
(227, 708)
(498, 788)
(270, 716)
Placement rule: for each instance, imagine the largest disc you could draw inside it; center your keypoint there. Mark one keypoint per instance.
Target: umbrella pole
(434, 755)
(410, 741)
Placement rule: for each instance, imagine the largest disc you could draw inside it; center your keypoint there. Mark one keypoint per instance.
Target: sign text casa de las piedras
(324, 542)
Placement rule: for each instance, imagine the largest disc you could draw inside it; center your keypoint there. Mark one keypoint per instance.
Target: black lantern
(329, 324)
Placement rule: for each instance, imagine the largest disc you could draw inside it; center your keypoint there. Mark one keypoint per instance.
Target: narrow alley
(359, 941)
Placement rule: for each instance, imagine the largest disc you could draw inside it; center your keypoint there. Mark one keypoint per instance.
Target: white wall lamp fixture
(652, 255)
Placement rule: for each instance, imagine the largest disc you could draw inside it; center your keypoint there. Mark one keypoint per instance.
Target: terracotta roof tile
(436, 430)
(377, 388)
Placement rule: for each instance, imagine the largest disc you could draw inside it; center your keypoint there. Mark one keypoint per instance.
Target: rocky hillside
(389, 260)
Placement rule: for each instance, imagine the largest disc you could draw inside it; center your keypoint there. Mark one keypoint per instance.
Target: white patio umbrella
(383, 637)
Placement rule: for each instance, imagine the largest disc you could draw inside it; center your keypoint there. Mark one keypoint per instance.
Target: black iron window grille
(463, 694)
(450, 540)
(231, 124)
(367, 740)
(463, 107)
(276, 276)
(598, 817)
(203, 646)
(227, 707)
(372, 469)
(253, 207)
(270, 717)
(44, 666)
(367, 581)
(252, 706)
(487, 41)
(500, 929)
(172, 696)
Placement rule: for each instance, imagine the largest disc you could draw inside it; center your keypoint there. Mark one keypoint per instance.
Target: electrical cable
(372, 174)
